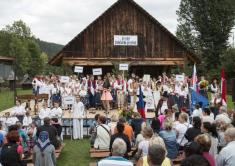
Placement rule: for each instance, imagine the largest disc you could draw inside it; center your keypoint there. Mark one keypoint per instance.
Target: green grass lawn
(75, 153)
(7, 98)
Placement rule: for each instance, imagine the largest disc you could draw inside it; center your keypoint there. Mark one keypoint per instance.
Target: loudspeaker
(233, 89)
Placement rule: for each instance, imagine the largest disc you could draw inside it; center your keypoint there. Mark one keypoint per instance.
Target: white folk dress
(78, 115)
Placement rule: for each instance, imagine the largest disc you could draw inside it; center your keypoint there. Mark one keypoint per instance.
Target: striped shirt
(115, 161)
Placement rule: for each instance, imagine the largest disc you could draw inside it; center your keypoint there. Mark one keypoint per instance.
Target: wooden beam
(135, 62)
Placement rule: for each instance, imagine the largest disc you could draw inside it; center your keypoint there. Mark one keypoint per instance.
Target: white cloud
(60, 20)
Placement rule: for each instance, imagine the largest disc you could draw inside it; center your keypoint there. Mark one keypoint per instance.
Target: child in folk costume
(27, 120)
(56, 112)
(120, 86)
(77, 114)
(44, 112)
(106, 95)
(132, 89)
(91, 91)
(99, 89)
(156, 87)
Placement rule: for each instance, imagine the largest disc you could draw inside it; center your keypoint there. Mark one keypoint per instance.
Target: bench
(57, 155)
(99, 153)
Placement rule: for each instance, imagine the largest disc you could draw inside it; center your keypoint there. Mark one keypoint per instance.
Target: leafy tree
(204, 26)
(19, 28)
(229, 62)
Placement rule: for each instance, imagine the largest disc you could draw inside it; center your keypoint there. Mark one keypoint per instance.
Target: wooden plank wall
(124, 19)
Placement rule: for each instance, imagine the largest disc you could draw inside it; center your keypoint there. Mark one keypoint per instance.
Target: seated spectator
(195, 160)
(223, 116)
(136, 123)
(197, 112)
(11, 152)
(2, 131)
(127, 129)
(194, 131)
(27, 120)
(169, 137)
(205, 144)
(210, 129)
(144, 145)
(118, 151)
(51, 131)
(191, 148)
(140, 136)
(92, 130)
(156, 156)
(102, 140)
(23, 138)
(44, 151)
(120, 134)
(181, 129)
(113, 123)
(227, 156)
(207, 116)
(156, 140)
(155, 124)
(56, 124)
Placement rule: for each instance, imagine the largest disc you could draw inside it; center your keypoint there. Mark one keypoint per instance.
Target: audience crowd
(204, 136)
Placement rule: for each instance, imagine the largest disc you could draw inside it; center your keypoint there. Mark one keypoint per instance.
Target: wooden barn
(125, 33)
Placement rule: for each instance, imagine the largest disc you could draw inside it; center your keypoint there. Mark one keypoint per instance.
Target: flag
(196, 98)
(194, 79)
(223, 87)
(141, 104)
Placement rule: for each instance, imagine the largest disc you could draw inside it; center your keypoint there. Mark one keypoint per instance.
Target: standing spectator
(117, 159)
(120, 134)
(169, 137)
(44, 151)
(191, 133)
(102, 140)
(227, 156)
(51, 131)
(223, 116)
(78, 114)
(11, 152)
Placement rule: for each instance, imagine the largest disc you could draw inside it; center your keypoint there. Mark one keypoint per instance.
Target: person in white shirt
(56, 112)
(27, 120)
(77, 113)
(223, 116)
(2, 130)
(103, 136)
(10, 120)
(18, 111)
(214, 89)
(197, 111)
(181, 129)
(208, 116)
(44, 112)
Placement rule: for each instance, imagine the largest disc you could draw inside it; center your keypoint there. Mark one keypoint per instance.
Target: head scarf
(43, 141)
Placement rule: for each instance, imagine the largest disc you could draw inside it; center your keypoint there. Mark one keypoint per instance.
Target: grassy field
(7, 98)
(75, 153)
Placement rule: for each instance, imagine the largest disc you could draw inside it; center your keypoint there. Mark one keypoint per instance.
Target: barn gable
(156, 45)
